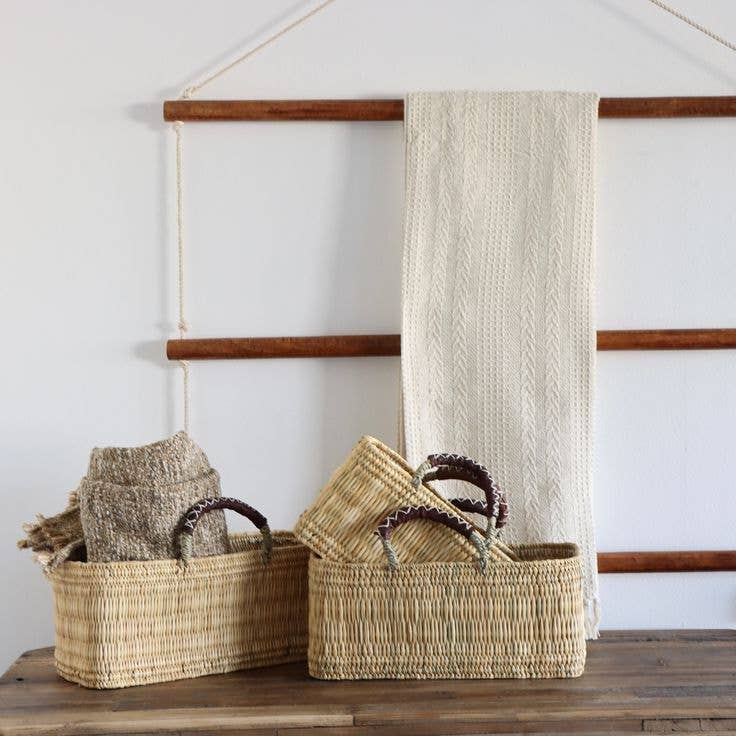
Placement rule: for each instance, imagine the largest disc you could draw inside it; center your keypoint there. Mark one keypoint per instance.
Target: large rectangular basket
(501, 619)
(447, 620)
(372, 482)
(133, 623)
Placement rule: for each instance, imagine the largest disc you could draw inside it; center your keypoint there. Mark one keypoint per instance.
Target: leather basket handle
(408, 513)
(471, 505)
(447, 466)
(194, 513)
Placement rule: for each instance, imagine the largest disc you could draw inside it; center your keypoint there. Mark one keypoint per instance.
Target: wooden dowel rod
(690, 561)
(377, 110)
(356, 346)
(702, 339)
(325, 346)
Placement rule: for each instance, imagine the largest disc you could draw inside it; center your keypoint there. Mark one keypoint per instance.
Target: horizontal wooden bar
(392, 109)
(323, 346)
(356, 346)
(689, 561)
(273, 110)
(722, 338)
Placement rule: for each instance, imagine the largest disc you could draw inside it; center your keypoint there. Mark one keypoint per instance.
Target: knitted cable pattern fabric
(498, 341)
(132, 500)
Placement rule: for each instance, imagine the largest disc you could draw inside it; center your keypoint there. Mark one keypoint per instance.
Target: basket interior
(247, 541)
(551, 551)
(239, 542)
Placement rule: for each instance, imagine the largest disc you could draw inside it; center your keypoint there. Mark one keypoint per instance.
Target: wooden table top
(635, 681)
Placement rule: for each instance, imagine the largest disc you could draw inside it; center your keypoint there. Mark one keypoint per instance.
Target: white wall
(295, 228)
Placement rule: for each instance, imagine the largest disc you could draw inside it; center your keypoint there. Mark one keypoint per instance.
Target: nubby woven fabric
(133, 498)
(498, 340)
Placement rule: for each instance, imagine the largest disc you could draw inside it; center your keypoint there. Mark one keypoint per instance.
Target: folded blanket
(133, 498)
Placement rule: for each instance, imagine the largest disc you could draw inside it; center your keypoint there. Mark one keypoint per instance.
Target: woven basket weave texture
(372, 483)
(133, 623)
(448, 620)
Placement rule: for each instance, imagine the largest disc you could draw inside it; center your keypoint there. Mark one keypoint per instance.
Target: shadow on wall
(365, 271)
(150, 115)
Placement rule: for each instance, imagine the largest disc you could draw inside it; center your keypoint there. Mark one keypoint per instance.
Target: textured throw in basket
(370, 484)
(133, 623)
(133, 497)
(55, 539)
(496, 619)
(497, 300)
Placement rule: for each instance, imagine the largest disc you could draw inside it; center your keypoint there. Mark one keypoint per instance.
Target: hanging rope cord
(182, 325)
(685, 19)
(187, 93)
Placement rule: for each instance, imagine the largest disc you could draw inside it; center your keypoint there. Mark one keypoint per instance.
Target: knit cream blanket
(498, 340)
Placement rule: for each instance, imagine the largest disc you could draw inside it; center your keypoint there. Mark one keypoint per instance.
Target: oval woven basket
(448, 620)
(133, 623)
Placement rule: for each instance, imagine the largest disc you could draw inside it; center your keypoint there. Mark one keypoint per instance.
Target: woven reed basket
(369, 485)
(134, 623)
(496, 619)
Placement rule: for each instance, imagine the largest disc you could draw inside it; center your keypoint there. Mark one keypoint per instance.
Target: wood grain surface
(675, 561)
(636, 681)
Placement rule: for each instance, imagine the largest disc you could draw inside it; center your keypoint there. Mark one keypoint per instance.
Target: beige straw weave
(132, 623)
(448, 620)
(372, 482)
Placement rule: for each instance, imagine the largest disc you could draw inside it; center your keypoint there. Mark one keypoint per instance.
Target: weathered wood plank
(500, 728)
(631, 678)
(64, 720)
(690, 725)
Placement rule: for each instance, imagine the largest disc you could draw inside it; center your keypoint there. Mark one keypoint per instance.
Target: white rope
(685, 19)
(183, 325)
(189, 91)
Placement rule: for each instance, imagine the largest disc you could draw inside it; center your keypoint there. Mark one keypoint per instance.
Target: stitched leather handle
(471, 506)
(194, 513)
(448, 466)
(481, 507)
(407, 513)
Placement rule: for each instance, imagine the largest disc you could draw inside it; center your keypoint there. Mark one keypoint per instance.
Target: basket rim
(571, 559)
(283, 540)
(383, 447)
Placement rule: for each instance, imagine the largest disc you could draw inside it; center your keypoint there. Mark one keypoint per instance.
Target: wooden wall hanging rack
(343, 346)
(357, 346)
(383, 110)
